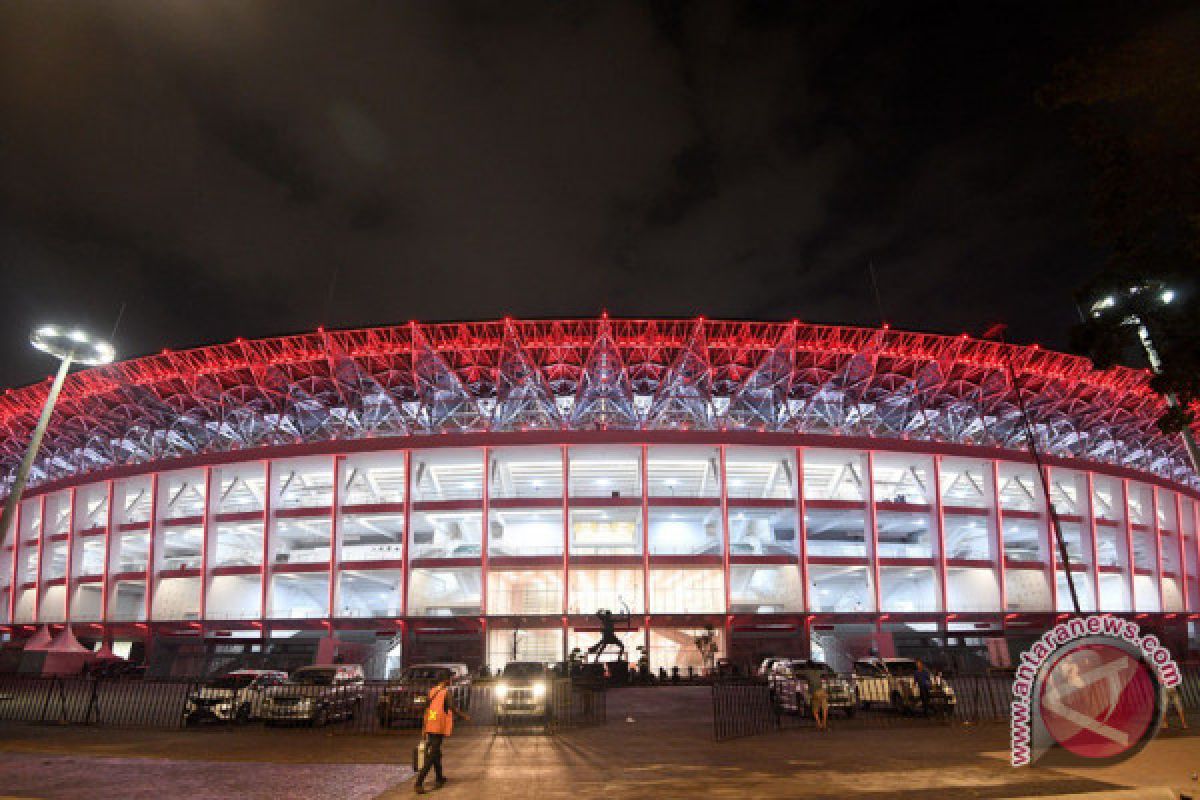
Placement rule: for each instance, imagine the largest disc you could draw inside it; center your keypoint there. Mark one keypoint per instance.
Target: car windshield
(232, 682)
(517, 669)
(426, 674)
(314, 677)
(901, 667)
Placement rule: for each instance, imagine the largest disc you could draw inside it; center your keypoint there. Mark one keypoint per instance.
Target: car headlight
(224, 707)
(501, 691)
(539, 690)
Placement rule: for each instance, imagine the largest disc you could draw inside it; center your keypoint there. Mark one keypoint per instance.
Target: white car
(235, 697)
(889, 682)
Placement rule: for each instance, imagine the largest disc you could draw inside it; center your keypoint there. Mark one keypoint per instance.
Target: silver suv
(789, 686)
(316, 695)
(890, 682)
(235, 697)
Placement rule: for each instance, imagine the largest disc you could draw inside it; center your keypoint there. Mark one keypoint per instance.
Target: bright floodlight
(1167, 296)
(72, 343)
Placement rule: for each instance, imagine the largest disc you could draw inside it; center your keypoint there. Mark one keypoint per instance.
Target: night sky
(246, 168)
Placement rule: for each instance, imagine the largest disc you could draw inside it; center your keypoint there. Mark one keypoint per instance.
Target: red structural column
(152, 536)
(205, 530)
(108, 540)
(939, 519)
(41, 552)
(998, 537)
(406, 547)
(16, 562)
(725, 561)
(70, 568)
(1051, 544)
(1131, 562)
(873, 532)
(1183, 580)
(645, 475)
(566, 546)
(1158, 566)
(264, 571)
(1095, 567)
(334, 502)
(484, 530)
(802, 534)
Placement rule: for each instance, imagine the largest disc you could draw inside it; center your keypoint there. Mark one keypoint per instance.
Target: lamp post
(69, 346)
(1127, 302)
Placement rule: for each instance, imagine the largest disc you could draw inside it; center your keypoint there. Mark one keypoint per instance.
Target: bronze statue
(608, 635)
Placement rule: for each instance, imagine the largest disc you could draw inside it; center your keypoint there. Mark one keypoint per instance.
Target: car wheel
(850, 711)
(384, 719)
(242, 716)
(319, 718)
(191, 720)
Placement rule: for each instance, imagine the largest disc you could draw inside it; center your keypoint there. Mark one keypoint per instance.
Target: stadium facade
(477, 491)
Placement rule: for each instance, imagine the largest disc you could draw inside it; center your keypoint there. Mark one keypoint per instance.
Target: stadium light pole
(1126, 301)
(69, 346)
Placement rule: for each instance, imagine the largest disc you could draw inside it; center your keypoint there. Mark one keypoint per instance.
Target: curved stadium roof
(503, 375)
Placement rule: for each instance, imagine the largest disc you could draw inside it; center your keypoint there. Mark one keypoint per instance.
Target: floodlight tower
(1127, 302)
(69, 346)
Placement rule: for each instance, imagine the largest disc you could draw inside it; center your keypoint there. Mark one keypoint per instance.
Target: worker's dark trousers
(433, 758)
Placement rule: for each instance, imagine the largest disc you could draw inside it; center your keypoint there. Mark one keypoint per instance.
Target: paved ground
(667, 751)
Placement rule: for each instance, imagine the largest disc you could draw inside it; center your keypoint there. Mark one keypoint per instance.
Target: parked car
(118, 669)
(889, 682)
(765, 667)
(522, 693)
(316, 695)
(404, 701)
(236, 697)
(789, 686)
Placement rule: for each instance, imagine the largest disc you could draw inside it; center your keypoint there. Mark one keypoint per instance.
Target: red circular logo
(1098, 701)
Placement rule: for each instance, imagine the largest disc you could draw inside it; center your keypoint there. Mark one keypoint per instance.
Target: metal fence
(748, 706)
(371, 707)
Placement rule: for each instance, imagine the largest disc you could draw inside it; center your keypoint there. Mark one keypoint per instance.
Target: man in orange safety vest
(439, 723)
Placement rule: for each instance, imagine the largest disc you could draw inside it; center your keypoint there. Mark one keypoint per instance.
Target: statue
(608, 635)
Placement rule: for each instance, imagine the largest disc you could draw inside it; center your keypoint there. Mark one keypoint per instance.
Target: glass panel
(1020, 488)
(764, 588)
(131, 552)
(966, 483)
(180, 494)
(905, 534)
(1068, 492)
(1024, 539)
(54, 564)
(1144, 554)
(968, 536)
(23, 610)
(762, 531)
(1075, 537)
(537, 532)
(302, 483)
(528, 591)
(234, 597)
(676, 647)
(239, 488)
(177, 598)
(1168, 519)
(58, 514)
(444, 592)
(91, 556)
(447, 534)
(840, 589)
(299, 595)
(1172, 596)
(127, 601)
(1145, 594)
(908, 589)
(440, 475)
(369, 593)
(602, 471)
(1141, 504)
(615, 589)
(686, 591)
(31, 519)
(683, 472)
(972, 589)
(372, 537)
(53, 607)
(685, 531)
(1107, 500)
(372, 479)
(1027, 590)
(523, 644)
(179, 547)
(903, 478)
(86, 603)
(836, 532)
(835, 475)
(526, 472)
(1083, 589)
(303, 540)
(761, 472)
(237, 544)
(1114, 592)
(606, 531)
(1111, 546)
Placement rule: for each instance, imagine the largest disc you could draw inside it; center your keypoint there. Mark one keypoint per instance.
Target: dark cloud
(250, 167)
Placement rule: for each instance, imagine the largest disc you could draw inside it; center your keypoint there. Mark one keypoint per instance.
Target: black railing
(747, 707)
(370, 707)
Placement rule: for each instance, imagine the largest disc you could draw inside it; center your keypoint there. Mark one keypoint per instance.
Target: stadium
(478, 491)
